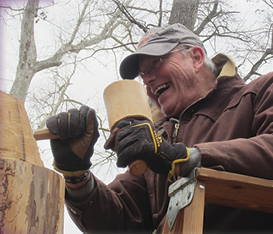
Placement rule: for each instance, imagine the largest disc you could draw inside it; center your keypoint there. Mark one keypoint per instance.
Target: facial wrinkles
(182, 77)
(161, 77)
(179, 72)
(175, 69)
(185, 74)
(168, 73)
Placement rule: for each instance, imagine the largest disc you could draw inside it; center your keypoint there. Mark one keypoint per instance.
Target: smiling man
(210, 118)
(161, 62)
(176, 79)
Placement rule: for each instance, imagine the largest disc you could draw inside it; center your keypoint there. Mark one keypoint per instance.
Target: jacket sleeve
(121, 205)
(249, 156)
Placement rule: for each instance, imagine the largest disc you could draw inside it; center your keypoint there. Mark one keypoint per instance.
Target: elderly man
(210, 119)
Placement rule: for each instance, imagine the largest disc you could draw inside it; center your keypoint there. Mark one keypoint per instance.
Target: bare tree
(111, 29)
(207, 19)
(28, 65)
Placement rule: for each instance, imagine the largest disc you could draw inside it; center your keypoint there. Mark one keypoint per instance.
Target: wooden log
(31, 196)
(127, 99)
(17, 141)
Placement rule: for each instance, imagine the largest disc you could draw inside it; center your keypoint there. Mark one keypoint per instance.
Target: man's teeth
(161, 89)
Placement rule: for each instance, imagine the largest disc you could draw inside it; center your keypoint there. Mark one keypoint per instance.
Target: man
(211, 119)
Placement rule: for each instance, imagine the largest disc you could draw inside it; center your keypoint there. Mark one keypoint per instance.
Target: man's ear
(198, 57)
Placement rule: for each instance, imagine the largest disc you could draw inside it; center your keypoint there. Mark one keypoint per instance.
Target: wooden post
(31, 196)
(190, 219)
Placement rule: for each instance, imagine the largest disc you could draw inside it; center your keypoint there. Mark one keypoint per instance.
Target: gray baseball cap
(157, 42)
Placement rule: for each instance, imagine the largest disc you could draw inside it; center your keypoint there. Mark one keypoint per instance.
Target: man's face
(174, 85)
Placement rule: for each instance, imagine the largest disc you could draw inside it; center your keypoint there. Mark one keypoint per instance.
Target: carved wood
(17, 141)
(31, 196)
(127, 99)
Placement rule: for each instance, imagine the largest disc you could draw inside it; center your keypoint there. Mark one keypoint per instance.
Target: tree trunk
(27, 52)
(184, 12)
(31, 196)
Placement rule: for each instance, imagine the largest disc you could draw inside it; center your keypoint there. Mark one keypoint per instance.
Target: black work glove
(78, 131)
(138, 139)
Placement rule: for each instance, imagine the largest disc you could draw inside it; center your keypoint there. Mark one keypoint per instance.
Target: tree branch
(210, 16)
(160, 13)
(127, 14)
(256, 66)
(76, 29)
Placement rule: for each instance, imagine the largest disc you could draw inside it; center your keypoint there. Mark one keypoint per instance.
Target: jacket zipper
(176, 126)
(177, 122)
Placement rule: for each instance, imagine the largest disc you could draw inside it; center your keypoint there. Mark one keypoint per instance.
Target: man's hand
(78, 130)
(137, 139)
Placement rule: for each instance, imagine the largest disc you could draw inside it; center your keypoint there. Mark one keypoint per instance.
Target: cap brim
(129, 67)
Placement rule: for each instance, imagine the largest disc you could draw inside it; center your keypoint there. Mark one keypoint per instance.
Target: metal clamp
(181, 193)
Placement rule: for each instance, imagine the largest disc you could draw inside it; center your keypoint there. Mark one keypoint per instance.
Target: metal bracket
(181, 193)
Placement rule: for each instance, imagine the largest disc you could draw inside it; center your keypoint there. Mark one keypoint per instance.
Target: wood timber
(31, 196)
(235, 190)
(17, 141)
(222, 188)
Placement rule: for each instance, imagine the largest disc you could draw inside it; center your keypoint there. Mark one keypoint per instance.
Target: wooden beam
(226, 189)
(236, 190)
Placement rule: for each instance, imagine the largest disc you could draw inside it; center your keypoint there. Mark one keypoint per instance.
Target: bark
(184, 12)
(32, 198)
(27, 52)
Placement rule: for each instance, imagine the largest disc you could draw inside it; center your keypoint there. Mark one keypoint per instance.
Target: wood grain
(127, 99)
(31, 196)
(17, 141)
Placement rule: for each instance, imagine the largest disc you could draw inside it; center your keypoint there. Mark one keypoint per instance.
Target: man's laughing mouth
(161, 89)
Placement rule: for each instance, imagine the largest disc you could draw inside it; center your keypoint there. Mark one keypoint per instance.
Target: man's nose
(148, 78)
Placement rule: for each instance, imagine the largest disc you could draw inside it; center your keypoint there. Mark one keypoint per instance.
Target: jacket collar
(225, 64)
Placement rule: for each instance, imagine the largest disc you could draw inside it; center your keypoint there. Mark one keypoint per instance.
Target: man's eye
(155, 62)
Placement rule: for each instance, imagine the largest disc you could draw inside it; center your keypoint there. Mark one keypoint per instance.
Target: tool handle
(44, 134)
(138, 167)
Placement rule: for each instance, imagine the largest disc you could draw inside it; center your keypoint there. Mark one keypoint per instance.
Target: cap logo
(145, 39)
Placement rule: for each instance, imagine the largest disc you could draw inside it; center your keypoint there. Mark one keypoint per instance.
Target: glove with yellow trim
(78, 131)
(138, 139)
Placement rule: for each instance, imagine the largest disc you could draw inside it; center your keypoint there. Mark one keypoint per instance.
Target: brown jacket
(232, 127)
